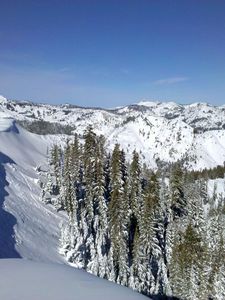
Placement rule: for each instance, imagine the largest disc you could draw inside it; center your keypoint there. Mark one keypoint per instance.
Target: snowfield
(26, 280)
(28, 227)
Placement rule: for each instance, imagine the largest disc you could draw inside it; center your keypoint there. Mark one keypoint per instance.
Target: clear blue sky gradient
(112, 52)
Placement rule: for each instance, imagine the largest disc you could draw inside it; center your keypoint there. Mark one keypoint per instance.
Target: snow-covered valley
(159, 131)
(31, 229)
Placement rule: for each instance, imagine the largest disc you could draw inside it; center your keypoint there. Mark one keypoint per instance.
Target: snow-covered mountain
(158, 130)
(31, 229)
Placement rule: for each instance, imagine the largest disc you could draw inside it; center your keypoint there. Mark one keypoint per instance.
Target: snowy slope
(26, 280)
(164, 131)
(28, 228)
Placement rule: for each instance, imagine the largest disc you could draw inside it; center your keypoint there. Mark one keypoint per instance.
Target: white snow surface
(28, 227)
(3, 100)
(25, 280)
(149, 103)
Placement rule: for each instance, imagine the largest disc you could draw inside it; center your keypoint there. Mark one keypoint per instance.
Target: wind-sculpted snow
(26, 280)
(160, 131)
(7, 125)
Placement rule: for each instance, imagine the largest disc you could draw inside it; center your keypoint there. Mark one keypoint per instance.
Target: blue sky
(112, 52)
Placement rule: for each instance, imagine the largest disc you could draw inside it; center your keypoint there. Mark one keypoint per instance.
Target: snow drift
(22, 279)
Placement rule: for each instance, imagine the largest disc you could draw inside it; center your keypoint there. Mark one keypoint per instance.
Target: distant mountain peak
(3, 100)
(149, 103)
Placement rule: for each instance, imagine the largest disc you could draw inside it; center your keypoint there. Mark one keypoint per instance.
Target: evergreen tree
(68, 192)
(186, 263)
(57, 165)
(135, 186)
(100, 216)
(118, 218)
(75, 160)
(178, 200)
(89, 172)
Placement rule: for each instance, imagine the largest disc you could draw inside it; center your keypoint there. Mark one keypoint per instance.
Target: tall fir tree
(118, 218)
(178, 201)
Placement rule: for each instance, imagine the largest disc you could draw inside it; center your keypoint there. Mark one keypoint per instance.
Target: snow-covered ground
(28, 228)
(25, 280)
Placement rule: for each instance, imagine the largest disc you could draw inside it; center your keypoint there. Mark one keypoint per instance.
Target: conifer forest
(158, 232)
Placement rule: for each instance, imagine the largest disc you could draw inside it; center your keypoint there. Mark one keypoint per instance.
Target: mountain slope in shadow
(7, 220)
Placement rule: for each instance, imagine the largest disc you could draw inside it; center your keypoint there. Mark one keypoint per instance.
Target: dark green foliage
(189, 250)
(217, 172)
(178, 201)
(43, 127)
(118, 214)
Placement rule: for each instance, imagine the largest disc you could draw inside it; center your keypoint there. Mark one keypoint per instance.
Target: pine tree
(57, 165)
(186, 262)
(135, 186)
(52, 182)
(178, 200)
(89, 172)
(204, 191)
(75, 160)
(118, 208)
(123, 274)
(69, 194)
(100, 266)
(150, 243)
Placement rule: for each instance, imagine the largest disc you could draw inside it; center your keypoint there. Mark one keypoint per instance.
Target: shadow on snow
(7, 220)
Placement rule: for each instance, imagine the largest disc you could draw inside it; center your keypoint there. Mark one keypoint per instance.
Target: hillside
(160, 131)
(61, 210)
(28, 228)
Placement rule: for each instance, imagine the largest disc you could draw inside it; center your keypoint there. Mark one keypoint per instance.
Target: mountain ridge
(160, 131)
